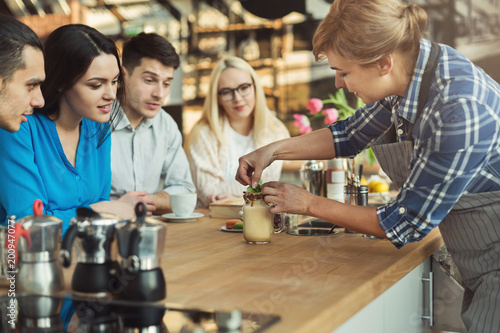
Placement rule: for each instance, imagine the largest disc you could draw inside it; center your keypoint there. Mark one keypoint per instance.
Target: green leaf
(359, 103)
(339, 100)
(257, 189)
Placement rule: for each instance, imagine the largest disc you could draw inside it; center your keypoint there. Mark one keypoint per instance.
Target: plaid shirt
(456, 142)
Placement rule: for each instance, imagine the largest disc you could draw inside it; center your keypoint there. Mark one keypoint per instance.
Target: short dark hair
(14, 38)
(151, 46)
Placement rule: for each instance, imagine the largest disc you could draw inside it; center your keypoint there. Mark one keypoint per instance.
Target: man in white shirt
(147, 158)
(21, 73)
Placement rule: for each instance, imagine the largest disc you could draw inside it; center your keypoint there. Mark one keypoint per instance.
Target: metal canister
(355, 195)
(39, 269)
(312, 176)
(141, 242)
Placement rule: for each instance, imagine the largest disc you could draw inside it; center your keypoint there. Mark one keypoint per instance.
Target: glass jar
(258, 222)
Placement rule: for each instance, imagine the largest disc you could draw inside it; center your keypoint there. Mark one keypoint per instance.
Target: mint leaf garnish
(257, 189)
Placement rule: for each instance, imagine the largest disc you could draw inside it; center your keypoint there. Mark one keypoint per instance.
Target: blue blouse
(456, 140)
(33, 166)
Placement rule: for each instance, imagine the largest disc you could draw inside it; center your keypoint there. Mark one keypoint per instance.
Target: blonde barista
(432, 118)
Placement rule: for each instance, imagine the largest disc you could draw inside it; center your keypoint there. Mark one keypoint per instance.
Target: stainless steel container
(141, 242)
(312, 177)
(39, 311)
(93, 235)
(4, 268)
(38, 238)
(355, 195)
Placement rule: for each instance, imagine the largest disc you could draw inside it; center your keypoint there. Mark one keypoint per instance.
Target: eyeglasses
(227, 94)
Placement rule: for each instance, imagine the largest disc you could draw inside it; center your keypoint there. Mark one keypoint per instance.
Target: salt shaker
(355, 195)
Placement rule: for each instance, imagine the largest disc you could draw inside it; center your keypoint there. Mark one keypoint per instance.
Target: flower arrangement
(315, 106)
(341, 111)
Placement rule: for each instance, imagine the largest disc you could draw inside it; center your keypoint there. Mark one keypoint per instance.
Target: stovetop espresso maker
(93, 234)
(141, 243)
(39, 269)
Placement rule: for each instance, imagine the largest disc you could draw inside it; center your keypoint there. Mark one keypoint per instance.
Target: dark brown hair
(14, 38)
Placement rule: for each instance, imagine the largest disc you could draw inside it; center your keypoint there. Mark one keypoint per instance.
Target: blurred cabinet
(124, 18)
(218, 30)
(398, 309)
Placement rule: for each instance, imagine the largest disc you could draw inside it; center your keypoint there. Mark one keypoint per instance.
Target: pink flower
(303, 123)
(305, 129)
(314, 105)
(331, 115)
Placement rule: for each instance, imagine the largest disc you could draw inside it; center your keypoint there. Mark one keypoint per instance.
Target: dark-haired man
(147, 158)
(21, 72)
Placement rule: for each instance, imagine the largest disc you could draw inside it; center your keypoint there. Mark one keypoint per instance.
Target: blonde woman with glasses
(235, 121)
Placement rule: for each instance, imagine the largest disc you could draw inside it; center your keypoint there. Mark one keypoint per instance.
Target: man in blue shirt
(21, 72)
(147, 159)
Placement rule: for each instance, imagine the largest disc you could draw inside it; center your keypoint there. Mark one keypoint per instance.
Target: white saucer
(174, 218)
(223, 228)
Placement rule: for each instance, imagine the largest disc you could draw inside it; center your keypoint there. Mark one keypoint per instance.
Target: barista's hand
(251, 166)
(133, 197)
(287, 198)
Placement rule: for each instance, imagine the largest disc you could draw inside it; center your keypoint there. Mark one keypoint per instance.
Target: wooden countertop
(315, 283)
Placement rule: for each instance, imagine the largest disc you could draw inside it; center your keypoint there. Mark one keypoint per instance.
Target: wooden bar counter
(314, 283)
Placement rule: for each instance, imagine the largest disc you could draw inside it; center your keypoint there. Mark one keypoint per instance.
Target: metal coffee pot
(141, 243)
(93, 234)
(142, 318)
(40, 314)
(39, 269)
(5, 272)
(312, 177)
(96, 316)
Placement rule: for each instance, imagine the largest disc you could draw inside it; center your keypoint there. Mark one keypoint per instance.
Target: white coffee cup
(183, 204)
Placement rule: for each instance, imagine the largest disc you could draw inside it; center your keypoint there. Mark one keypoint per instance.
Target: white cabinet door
(398, 310)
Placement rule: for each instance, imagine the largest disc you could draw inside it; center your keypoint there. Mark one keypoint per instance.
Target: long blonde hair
(214, 115)
(364, 31)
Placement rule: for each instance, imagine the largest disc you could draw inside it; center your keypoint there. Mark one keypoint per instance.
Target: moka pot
(93, 234)
(141, 243)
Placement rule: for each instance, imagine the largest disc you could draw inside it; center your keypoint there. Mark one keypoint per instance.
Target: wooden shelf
(239, 27)
(265, 62)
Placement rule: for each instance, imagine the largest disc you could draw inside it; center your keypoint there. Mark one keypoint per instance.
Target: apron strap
(425, 86)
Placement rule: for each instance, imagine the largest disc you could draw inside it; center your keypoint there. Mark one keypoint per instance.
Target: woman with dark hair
(62, 154)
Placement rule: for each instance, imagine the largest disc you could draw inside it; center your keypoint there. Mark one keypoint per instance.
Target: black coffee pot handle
(132, 262)
(67, 242)
(140, 212)
(86, 212)
(135, 238)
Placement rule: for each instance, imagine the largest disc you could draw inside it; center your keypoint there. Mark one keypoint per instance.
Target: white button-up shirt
(149, 158)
